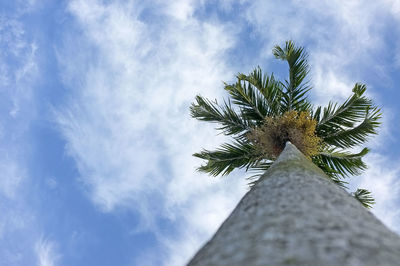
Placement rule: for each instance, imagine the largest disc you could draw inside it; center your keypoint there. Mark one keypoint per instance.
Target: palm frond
(364, 197)
(336, 119)
(249, 99)
(231, 122)
(295, 97)
(316, 114)
(333, 174)
(344, 163)
(225, 159)
(268, 87)
(260, 169)
(257, 96)
(348, 138)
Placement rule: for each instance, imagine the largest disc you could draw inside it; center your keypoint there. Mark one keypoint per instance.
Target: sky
(95, 131)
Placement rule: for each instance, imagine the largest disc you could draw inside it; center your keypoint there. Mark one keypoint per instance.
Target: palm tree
(287, 219)
(263, 113)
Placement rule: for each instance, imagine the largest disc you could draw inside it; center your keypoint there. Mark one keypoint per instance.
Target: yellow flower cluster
(293, 126)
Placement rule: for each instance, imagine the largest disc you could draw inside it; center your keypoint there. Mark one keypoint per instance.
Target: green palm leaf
(348, 138)
(256, 97)
(268, 87)
(333, 174)
(295, 97)
(231, 122)
(249, 99)
(225, 159)
(344, 163)
(260, 169)
(364, 197)
(350, 123)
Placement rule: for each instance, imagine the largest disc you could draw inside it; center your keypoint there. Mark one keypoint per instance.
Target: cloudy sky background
(95, 133)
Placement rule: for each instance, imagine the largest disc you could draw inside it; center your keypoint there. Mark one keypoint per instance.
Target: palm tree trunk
(295, 215)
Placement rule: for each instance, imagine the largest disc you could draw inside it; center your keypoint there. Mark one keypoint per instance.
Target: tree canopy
(262, 113)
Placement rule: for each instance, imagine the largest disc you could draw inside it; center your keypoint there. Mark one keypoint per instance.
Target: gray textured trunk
(296, 216)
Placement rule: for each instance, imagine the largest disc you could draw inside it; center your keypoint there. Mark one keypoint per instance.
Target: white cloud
(46, 253)
(180, 9)
(128, 126)
(340, 37)
(141, 100)
(11, 177)
(131, 81)
(18, 76)
(393, 6)
(382, 179)
(15, 89)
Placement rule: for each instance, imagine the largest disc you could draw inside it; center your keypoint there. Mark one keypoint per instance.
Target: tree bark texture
(295, 215)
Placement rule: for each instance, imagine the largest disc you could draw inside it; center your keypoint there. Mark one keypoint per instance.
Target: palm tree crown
(262, 113)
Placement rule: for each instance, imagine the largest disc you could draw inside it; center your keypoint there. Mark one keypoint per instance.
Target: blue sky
(95, 130)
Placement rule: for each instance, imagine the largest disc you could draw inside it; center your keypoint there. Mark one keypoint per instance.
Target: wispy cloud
(340, 36)
(134, 74)
(15, 80)
(18, 76)
(382, 179)
(128, 126)
(46, 252)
